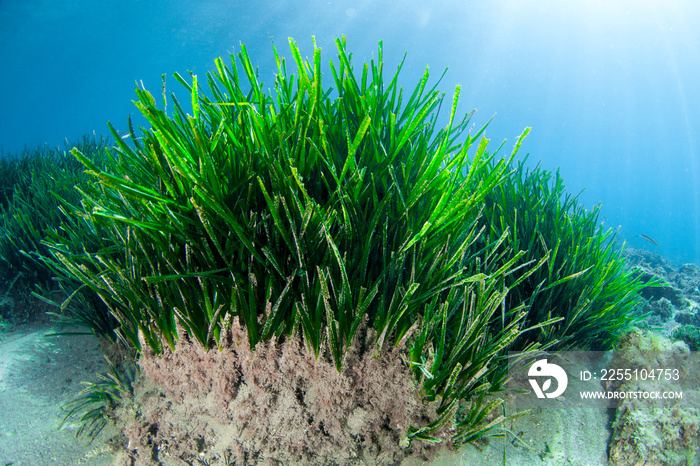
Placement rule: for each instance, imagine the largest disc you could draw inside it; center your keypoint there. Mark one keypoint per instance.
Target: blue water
(610, 88)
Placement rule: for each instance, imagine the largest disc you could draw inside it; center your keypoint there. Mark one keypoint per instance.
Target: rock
(663, 431)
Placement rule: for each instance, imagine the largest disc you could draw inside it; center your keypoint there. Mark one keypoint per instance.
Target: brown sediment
(276, 404)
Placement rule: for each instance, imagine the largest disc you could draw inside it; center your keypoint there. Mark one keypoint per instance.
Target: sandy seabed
(38, 374)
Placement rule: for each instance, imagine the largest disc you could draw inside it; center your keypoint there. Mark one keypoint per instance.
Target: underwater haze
(610, 88)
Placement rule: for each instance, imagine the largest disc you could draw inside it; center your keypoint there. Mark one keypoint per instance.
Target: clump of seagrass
(278, 402)
(313, 212)
(303, 214)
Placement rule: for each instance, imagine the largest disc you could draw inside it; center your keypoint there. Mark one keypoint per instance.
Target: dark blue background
(610, 88)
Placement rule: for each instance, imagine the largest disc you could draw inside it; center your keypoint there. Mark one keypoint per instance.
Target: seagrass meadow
(37, 195)
(306, 249)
